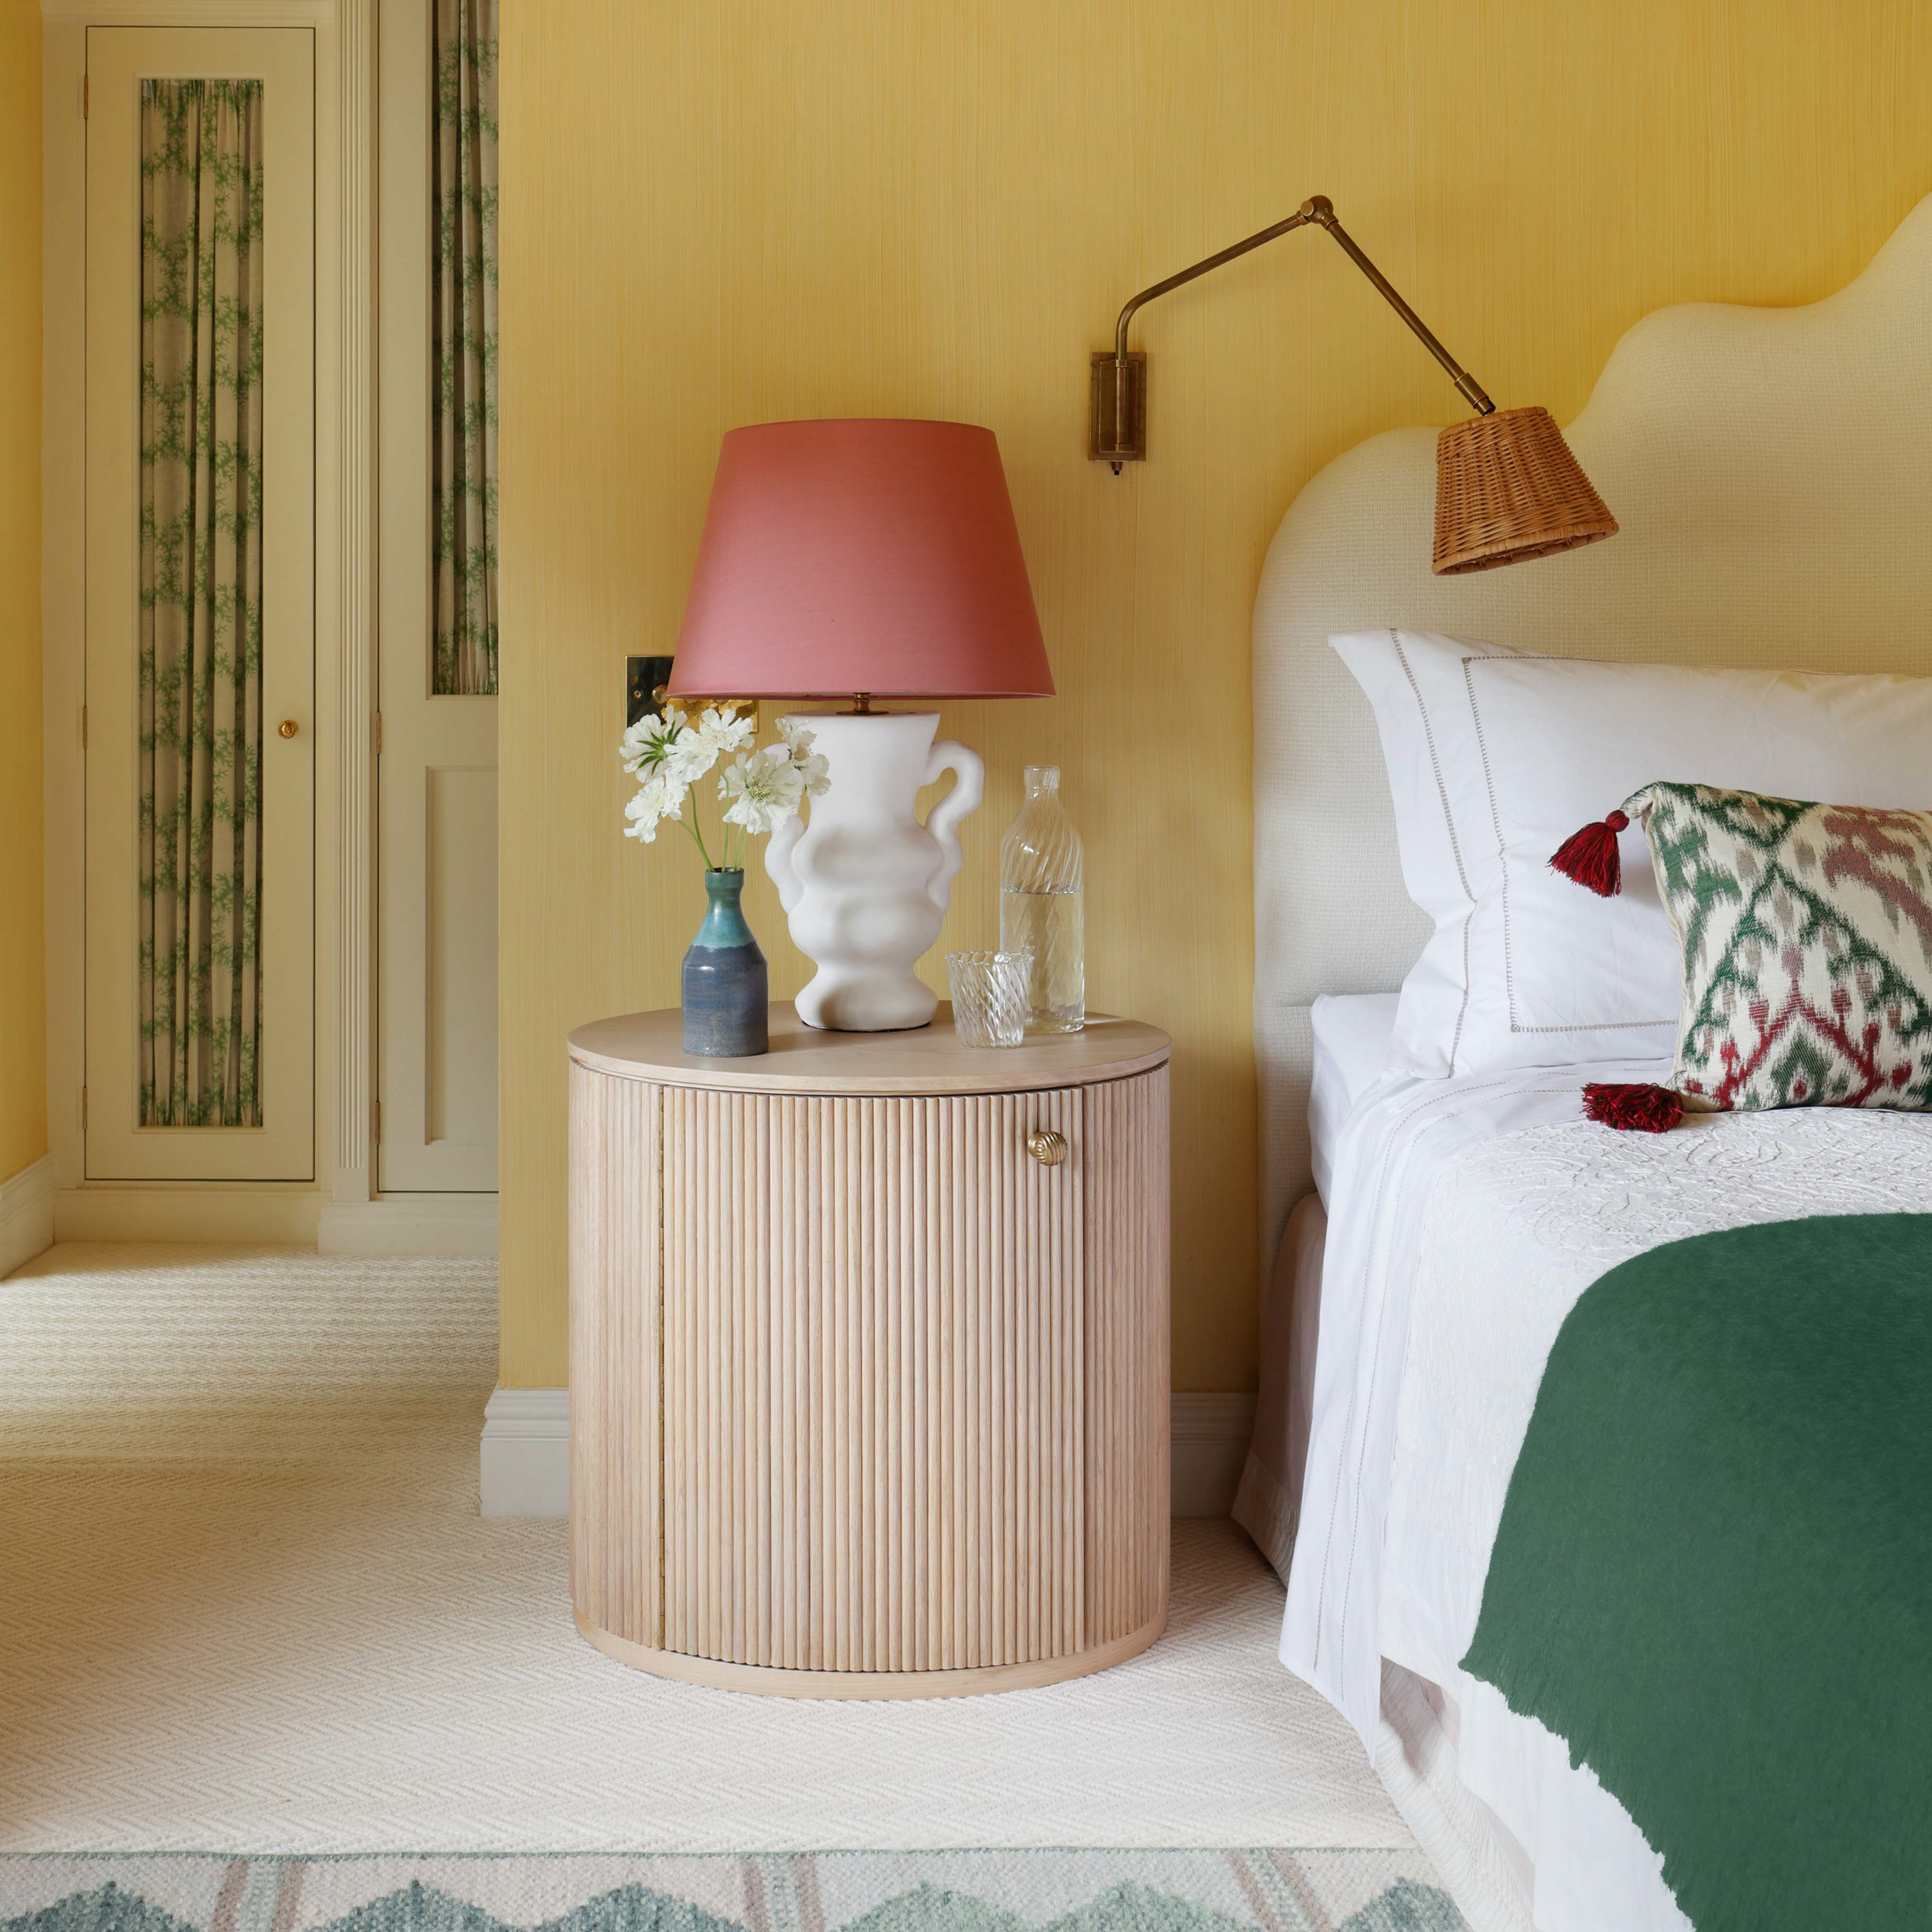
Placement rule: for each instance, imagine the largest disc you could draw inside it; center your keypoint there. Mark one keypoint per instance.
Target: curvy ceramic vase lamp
(864, 560)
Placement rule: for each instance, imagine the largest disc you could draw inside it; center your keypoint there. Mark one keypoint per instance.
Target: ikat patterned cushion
(1806, 932)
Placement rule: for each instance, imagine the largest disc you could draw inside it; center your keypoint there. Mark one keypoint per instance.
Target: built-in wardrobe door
(437, 615)
(200, 605)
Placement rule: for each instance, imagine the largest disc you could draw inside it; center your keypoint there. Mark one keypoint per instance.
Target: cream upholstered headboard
(1771, 470)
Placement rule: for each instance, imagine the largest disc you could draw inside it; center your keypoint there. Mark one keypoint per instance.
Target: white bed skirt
(1266, 1503)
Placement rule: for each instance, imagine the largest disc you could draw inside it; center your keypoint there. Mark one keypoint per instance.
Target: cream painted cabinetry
(869, 1373)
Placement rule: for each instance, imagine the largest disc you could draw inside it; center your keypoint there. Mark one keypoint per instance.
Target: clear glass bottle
(1041, 904)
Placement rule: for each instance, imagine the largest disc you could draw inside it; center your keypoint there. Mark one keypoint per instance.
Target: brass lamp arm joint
(1319, 212)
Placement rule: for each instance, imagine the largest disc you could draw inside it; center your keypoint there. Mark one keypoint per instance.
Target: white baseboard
(26, 1214)
(1211, 1443)
(181, 1211)
(526, 1452)
(396, 1224)
(410, 1224)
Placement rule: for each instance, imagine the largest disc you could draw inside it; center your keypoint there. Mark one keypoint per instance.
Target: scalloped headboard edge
(1771, 470)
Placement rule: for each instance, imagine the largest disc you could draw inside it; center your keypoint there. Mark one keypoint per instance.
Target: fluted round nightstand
(869, 1356)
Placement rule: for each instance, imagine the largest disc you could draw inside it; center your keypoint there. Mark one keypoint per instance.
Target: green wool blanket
(1713, 1577)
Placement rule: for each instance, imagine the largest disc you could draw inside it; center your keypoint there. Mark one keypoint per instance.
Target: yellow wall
(723, 212)
(23, 1073)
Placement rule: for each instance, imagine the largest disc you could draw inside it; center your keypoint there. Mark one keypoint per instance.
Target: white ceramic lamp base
(864, 885)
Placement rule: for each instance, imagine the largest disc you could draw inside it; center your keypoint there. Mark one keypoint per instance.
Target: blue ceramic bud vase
(726, 992)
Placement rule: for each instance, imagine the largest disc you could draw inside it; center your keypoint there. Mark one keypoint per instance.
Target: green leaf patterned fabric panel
(200, 630)
(1807, 938)
(463, 300)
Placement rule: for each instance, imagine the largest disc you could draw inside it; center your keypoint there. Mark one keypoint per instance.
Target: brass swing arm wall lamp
(1507, 487)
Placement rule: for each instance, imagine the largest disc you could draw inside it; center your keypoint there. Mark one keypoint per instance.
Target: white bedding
(1466, 1217)
(1352, 1032)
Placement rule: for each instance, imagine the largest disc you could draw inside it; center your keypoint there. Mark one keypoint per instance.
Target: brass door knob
(1047, 1146)
(288, 727)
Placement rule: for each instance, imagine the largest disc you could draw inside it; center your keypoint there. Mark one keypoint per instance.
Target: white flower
(724, 732)
(815, 772)
(653, 742)
(811, 766)
(764, 788)
(687, 757)
(654, 800)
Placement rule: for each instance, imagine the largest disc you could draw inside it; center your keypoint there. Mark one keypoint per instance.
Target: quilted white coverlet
(1467, 1218)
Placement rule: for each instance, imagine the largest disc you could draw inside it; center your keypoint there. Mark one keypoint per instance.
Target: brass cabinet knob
(1047, 1146)
(288, 727)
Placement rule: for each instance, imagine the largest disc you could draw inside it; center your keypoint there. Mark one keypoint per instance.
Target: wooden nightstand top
(925, 1059)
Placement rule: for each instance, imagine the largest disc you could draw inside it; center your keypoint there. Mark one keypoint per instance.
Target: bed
(1424, 1239)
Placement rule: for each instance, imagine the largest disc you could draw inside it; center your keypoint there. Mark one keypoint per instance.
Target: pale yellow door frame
(437, 761)
(344, 34)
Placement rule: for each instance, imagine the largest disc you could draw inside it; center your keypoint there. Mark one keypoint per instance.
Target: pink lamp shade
(872, 556)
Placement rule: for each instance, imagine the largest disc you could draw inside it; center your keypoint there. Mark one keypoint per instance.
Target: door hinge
(83, 96)
(83, 1110)
(376, 736)
(83, 728)
(376, 1125)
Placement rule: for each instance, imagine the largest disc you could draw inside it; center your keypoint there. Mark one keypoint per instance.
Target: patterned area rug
(1252, 1891)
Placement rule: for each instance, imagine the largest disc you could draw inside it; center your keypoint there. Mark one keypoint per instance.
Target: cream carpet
(248, 1605)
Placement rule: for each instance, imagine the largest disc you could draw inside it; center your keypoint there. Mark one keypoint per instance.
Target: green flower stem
(691, 825)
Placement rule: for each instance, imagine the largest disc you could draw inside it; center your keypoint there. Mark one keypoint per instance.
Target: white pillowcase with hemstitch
(1496, 756)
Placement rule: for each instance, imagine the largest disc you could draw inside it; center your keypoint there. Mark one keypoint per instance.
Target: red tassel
(1590, 856)
(1636, 1109)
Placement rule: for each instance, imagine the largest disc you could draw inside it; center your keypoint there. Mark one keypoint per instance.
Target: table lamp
(864, 559)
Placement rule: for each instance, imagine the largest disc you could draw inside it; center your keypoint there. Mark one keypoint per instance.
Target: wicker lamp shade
(1507, 489)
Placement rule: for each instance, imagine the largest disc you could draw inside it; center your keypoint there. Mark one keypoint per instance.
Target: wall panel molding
(192, 12)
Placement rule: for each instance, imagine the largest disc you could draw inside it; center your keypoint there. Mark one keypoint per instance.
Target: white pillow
(1494, 756)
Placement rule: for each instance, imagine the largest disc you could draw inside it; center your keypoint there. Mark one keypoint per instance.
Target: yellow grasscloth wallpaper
(23, 1074)
(724, 212)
